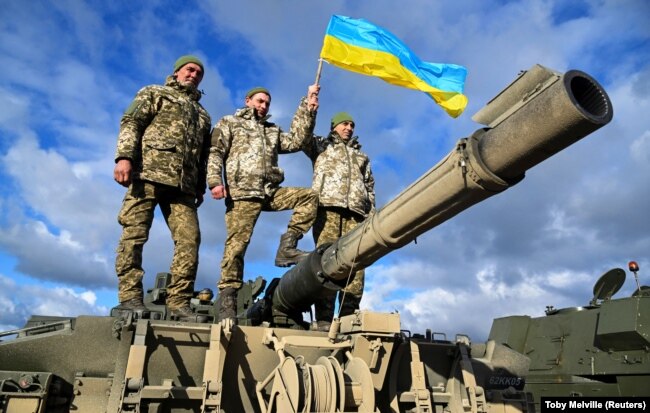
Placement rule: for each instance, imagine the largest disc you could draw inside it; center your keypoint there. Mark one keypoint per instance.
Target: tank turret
(269, 363)
(538, 115)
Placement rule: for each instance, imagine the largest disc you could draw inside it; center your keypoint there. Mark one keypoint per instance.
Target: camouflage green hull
(599, 350)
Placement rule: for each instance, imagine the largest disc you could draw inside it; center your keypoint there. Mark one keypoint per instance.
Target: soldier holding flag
(345, 185)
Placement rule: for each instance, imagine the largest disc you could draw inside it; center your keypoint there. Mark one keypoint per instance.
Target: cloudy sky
(72, 67)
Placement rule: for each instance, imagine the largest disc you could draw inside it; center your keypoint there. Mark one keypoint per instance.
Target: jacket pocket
(161, 157)
(161, 146)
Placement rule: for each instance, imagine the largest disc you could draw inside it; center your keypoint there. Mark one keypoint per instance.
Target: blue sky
(70, 68)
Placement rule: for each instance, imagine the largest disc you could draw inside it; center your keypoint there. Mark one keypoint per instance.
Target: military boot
(324, 306)
(134, 306)
(288, 254)
(323, 325)
(228, 304)
(350, 305)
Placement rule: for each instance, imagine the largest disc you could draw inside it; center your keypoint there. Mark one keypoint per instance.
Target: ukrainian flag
(362, 47)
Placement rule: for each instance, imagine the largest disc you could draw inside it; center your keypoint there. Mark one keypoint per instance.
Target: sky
(70, 69)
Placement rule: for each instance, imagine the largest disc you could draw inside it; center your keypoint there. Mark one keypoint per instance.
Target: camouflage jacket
(249, 148)
(342, 174)
(166, 135)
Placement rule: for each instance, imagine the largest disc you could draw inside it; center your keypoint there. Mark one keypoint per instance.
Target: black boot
(134, 306)
(228, 304)
(287, 253)
(185, 314)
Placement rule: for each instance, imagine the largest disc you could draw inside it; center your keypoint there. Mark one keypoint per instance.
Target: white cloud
(15, 113)
(19, 301)
(53, 186)
(640, 149)
(471, 307)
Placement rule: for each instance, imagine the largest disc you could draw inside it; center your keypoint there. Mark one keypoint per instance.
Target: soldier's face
(190, 74)
(260, 103)
(345, 129)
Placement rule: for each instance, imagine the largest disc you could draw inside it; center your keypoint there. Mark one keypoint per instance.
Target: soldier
(345, 186)
(161, 157)
(245, 148)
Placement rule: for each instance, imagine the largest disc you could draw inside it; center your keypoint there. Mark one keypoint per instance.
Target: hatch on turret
(608, 284)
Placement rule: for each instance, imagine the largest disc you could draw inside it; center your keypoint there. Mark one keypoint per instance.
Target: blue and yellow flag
(362, 47)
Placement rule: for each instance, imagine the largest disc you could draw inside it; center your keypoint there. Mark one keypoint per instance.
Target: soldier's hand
(219, 192)
(312, 97)
(122, 172)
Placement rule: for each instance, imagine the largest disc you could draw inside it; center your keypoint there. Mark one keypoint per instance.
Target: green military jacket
(245, 151)
(166, 135)
(342, 174)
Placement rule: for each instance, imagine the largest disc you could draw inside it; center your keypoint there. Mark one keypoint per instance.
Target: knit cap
(256, 90)
(341, 117)
(183, 60)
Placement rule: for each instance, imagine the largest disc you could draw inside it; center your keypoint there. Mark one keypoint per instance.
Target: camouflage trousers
(241, 216)
(136, 217)
(331, 223)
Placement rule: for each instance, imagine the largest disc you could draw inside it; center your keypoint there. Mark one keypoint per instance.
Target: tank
(599, 349)
(270, 361)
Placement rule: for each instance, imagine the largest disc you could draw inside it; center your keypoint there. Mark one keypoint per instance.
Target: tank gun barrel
(541, 113)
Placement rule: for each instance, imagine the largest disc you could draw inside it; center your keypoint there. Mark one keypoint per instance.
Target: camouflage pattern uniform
(249, 149)
(165, 133)
(345, 185)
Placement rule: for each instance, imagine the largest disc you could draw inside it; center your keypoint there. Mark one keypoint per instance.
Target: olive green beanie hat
(256, 90)
(341, 117)
(183, 60)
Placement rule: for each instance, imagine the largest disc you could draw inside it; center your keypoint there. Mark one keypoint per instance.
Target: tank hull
(178, 367)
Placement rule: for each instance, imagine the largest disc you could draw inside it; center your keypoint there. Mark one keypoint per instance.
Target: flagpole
(320, 68)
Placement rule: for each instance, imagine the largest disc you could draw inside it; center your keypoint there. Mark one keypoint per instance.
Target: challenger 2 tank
(599, 349)
(270, 361)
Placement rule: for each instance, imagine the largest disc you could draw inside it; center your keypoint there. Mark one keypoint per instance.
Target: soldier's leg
(136, 216)
(327, 228)
(324, 309)
(241, 217)
(352, 293)
(304, 202)
(179, 210)
(350, 296)
(319, 224)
